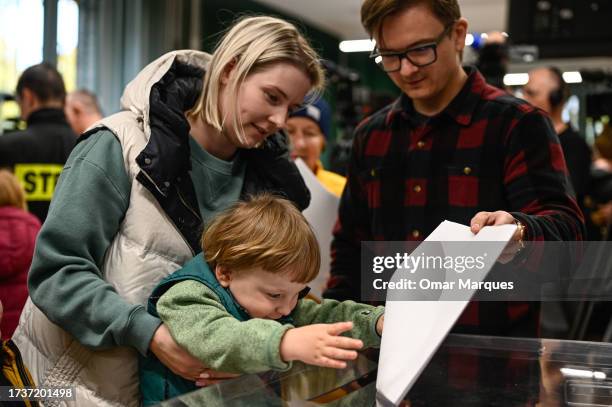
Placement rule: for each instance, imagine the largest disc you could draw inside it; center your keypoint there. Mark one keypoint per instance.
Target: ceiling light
(357, 45)
(582, 374)
(572, 77)
(516, 79)
(469, 39)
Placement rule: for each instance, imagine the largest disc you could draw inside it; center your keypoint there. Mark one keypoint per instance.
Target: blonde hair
(266, 232)
(11, 191)
(252, 44)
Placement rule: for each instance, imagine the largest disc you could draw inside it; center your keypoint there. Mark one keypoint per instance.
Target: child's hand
(320, 345)
(379, 325)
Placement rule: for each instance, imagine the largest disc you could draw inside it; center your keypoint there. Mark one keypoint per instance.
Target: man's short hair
(88, 99)
(264, 231)
(373, 12)
(44, 81)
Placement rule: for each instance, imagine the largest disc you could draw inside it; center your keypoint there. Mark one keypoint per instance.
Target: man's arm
(537, 185)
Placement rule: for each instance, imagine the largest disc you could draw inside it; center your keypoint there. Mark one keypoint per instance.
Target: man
(547, 90)
(82, 110)
(450, 147)
(309, 130)
(37, 154)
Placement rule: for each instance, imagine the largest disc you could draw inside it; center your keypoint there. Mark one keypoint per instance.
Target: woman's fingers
(209, 377)
(214, 374)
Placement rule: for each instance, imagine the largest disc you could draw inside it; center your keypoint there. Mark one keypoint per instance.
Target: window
(21, 45)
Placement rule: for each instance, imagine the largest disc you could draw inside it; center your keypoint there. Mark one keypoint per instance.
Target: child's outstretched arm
(320, 345)
(367, 320)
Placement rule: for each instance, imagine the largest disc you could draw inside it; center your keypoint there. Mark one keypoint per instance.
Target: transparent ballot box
(467, 370)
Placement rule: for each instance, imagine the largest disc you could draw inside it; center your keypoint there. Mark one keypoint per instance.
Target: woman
(135, 193)
(18, 230)
(309, 129)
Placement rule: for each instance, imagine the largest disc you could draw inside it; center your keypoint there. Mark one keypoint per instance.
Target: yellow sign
(38, 180)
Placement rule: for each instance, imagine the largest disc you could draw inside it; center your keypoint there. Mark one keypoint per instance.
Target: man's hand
(320, 345)
(180, 362)
(482, 219)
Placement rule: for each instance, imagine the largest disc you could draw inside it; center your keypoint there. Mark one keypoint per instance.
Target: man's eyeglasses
(418, 56)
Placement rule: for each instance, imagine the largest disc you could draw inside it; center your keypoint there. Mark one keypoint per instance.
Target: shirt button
(147, 161)
(373, 172)
(467, 170)
(421, 144)
(417, 188)
(166, 184)
(416, 233)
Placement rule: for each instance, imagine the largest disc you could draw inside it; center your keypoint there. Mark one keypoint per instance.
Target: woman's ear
(224, 275)
(227, 72)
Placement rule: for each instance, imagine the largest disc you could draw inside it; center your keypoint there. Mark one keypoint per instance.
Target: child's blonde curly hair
(264, 231)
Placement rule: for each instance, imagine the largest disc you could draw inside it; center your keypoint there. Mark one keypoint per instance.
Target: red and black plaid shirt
(486, 151)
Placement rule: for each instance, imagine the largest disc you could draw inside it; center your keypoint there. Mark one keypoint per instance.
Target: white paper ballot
(321, 214)
(415, 329)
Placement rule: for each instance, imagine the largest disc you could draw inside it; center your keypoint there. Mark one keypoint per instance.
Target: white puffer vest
(147, 248)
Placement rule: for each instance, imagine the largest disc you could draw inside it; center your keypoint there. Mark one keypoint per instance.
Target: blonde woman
(18, 230)
(197, 133)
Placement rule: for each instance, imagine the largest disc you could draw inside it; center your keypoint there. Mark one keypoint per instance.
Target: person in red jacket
(18, 230)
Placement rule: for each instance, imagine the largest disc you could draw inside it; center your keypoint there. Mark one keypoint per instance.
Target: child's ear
(224, 275)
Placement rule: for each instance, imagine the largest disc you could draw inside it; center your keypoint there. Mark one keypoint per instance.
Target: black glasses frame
(404, 54)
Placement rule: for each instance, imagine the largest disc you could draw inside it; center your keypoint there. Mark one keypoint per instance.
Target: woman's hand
(175, 358)
(379, 325)
(181, 363)
(320, 345)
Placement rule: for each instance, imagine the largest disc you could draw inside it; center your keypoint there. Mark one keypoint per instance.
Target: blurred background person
(602, 182)
(82, 110)
(493, 59)
(37, 154)
(547, 90)
(18, 230)
(309, 130)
